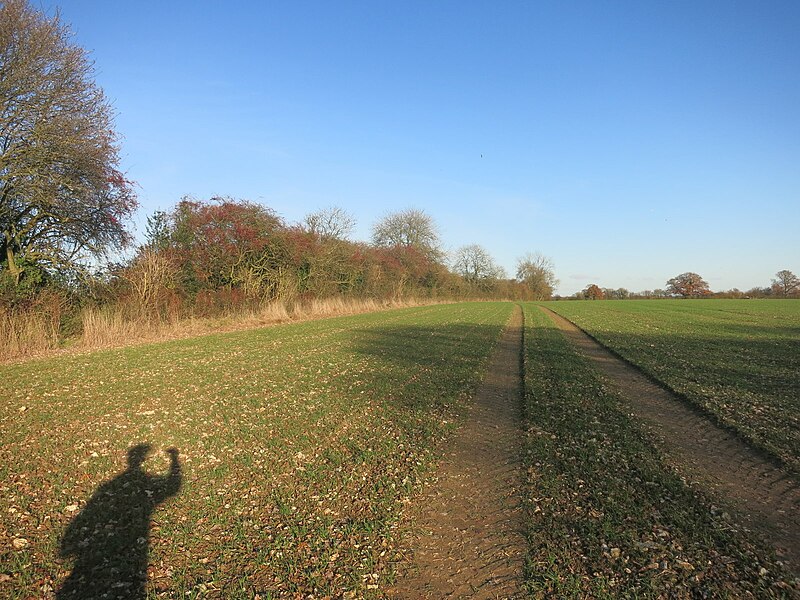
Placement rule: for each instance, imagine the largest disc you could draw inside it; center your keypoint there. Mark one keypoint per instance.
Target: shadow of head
(137, 455)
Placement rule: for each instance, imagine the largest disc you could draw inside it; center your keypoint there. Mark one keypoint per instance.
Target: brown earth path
(767, 498)
(468, 539)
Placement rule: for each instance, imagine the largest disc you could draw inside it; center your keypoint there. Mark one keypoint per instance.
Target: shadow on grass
(109, 537)
(427, 368)
(410, 345)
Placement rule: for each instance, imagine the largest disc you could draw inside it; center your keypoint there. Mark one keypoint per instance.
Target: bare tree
(474, 263)
(149, 276)
(688, 285)
(536, 271)
(330, 223)
(785, 283)
(410, 228)
(615, 294)
(62, 196)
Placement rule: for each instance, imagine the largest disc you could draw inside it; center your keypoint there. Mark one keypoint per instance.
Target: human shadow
(109, 538)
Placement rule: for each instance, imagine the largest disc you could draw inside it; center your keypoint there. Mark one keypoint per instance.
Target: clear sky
(628, 141)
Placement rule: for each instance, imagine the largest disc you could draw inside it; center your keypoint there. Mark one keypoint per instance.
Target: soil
(765, 497)
(467, 528)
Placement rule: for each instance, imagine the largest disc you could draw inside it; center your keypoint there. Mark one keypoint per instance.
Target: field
(297, 447)
(607, 518)
(279, 462)
(738, 360)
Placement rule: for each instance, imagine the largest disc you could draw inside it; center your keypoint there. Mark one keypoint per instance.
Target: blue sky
(628, 141)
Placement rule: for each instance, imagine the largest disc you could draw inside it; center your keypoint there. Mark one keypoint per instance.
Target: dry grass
(32, 330)
(24, 334)
(331, 307)
(110, 328)
(117, 326)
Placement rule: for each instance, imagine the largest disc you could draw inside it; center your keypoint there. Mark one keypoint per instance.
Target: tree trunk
(13, 268)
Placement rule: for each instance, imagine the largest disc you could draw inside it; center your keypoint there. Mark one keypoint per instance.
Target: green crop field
(607, 518)
(277, 462)
(296, 447)
(737, 359)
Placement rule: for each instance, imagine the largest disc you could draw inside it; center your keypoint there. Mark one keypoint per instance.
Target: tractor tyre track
(467, 529)
(766, 496)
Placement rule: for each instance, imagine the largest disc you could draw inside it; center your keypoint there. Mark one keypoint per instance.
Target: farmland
(297, 446)
(280, 461)
(607, 517)
(736, 359)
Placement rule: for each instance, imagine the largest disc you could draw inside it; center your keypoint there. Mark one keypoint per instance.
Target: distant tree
(593, 292)
(474, 263)
(620, 294)
(731, 293)
(759, 292)
(62, 196)
(410, 228)
(642, 294)
(330, 223)
(536, 271)
(688, 285)
(785, 283)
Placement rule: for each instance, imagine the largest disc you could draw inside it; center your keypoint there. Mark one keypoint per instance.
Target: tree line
(66, 208)
(209, 255)
(691, 285)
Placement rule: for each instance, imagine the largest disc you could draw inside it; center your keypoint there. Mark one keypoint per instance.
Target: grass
(47, 328)
(114, 326)
(277, 462)
(736, 359)
(296, 448)
(606, 518)
(28, 330)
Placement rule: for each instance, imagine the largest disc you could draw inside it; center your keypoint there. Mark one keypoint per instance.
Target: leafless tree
(330, 223)
(785, 283)
(410, 228)
(474, 263)
(537, 272)
(149, 276)
(62, 196)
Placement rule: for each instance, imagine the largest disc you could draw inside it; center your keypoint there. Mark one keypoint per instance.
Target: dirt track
(767, 498)
(468, 532)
